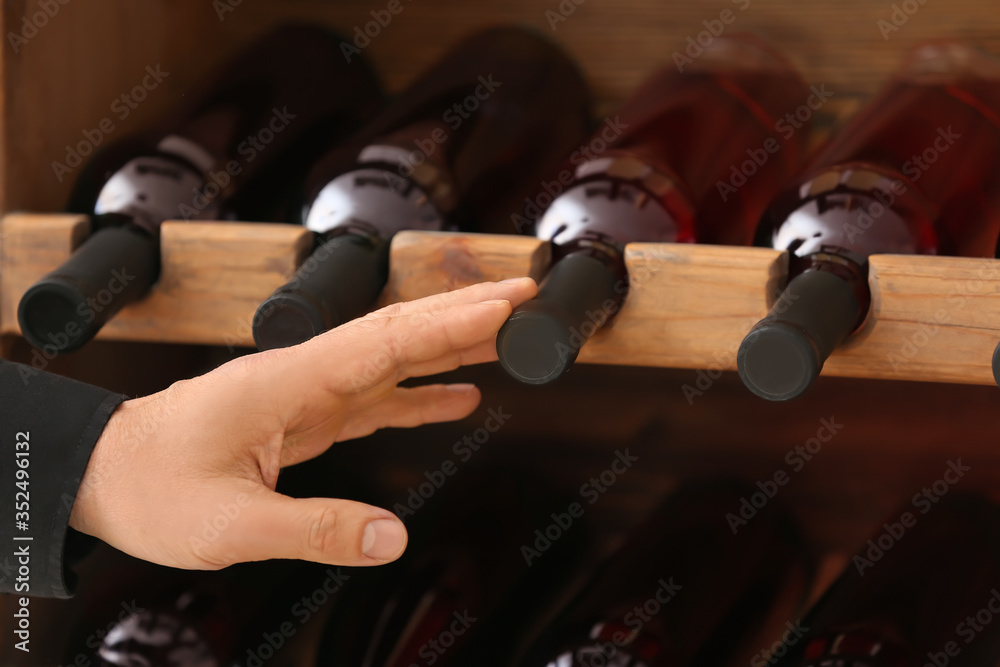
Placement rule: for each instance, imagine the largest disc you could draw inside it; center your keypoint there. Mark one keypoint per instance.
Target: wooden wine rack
(933, 319)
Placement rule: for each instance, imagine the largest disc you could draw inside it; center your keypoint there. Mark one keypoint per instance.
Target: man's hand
(167, 463)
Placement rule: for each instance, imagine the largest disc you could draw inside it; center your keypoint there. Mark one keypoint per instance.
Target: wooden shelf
(689, 306)
(933, 319)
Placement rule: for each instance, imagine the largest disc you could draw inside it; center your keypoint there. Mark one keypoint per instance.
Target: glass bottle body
(912, 595)
(915, 172)
(685, 589)
(241, 140)
(455, 151)
(662, 170)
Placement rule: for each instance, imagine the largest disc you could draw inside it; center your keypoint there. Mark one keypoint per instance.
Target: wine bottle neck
(854, 211)
(165, 185)
(620, 201)
(374, 198)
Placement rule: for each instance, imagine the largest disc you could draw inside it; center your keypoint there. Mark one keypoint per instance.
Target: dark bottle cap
(542, 338)
(338, 282)
(784, 353)
(64, 310)
(996, 364)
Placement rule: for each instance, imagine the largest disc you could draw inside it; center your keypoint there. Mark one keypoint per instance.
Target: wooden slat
(213, 278)
(31, 246)
(425, 263)
(933, 319)
(688, 306)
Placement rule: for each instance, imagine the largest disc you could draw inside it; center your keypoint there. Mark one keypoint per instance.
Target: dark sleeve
(53, 423)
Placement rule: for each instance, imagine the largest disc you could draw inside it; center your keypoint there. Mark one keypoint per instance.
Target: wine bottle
(246, 615)
(915, 172)
(469, 138)
(922, 591)
(694, 584)
(665, 176)
(239, 142)
(463, 579)
(243, 615)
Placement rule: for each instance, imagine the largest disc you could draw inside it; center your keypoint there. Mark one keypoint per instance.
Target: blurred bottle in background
(688, 587)
(924, 590)
(464, 591)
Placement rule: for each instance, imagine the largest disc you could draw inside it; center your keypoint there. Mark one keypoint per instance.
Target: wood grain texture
(688, 306)
(214, 275)
(425, 263)
(933, 319)
(71, 72)
(31, 246)
(618, 42)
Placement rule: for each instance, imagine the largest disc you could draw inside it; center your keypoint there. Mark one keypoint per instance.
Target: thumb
(322, 530)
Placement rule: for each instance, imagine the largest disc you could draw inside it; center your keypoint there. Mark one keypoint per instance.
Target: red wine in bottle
(665, 176)
(467, 140)
(685, 589)
(464, 584)
(924, 590)
(916, 172)
(242, 140)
